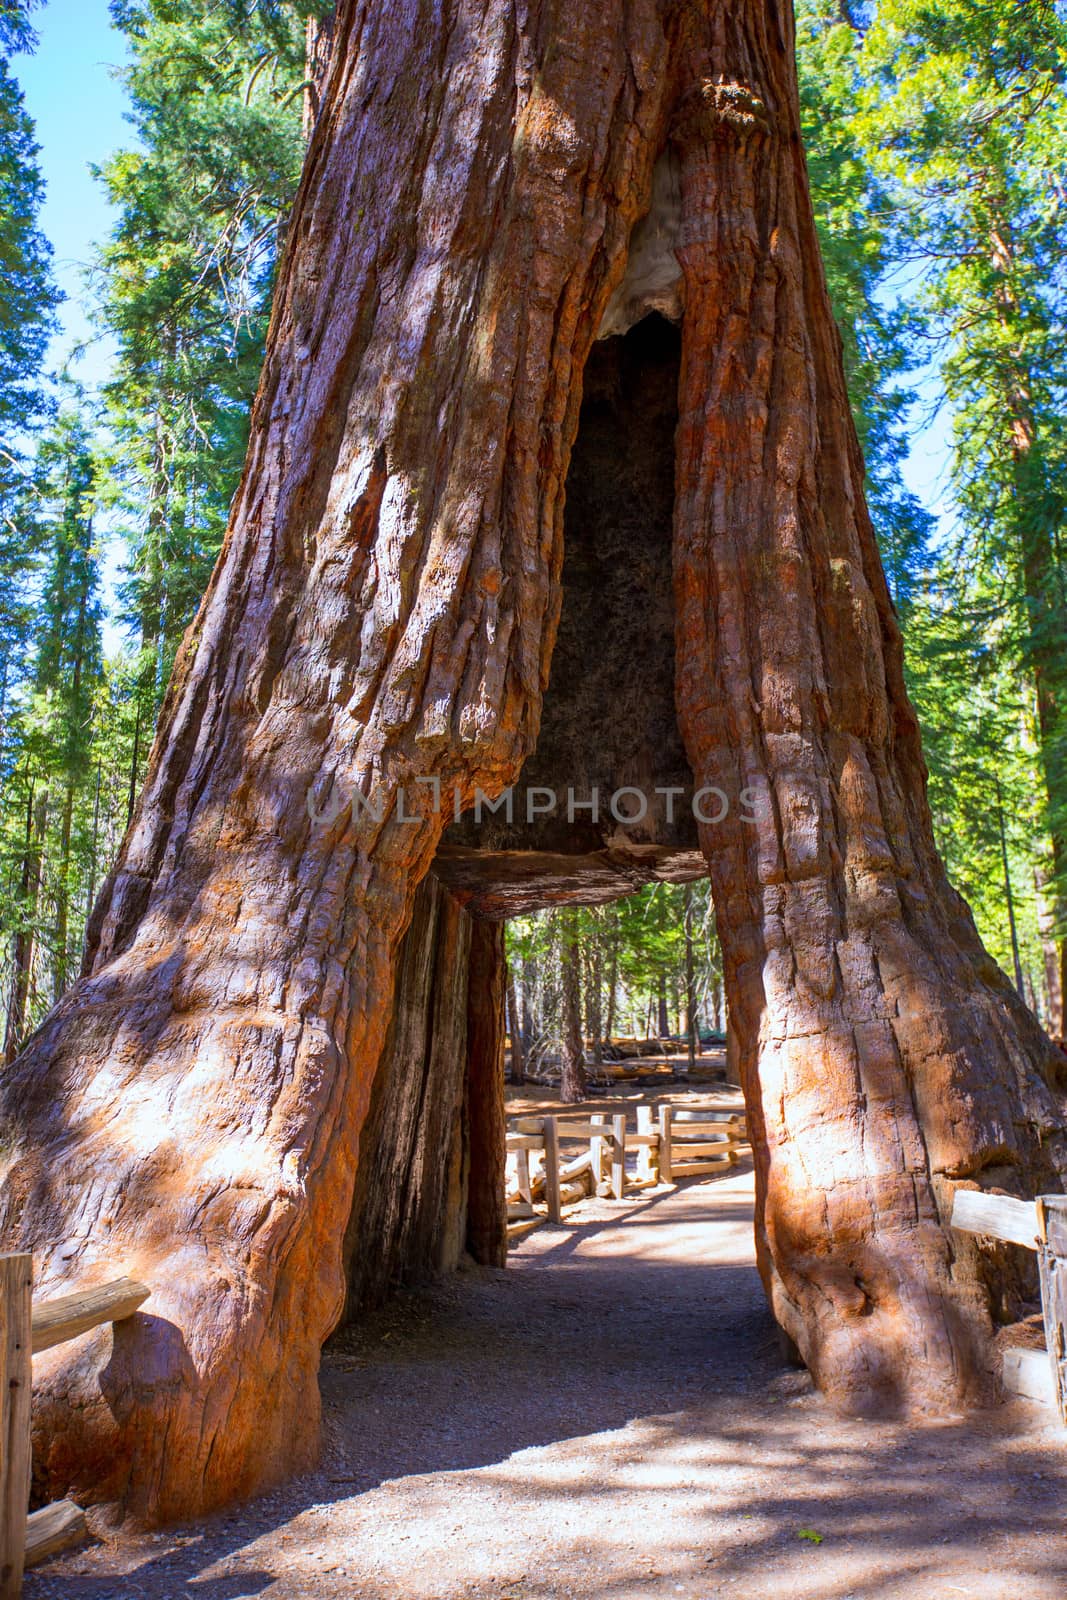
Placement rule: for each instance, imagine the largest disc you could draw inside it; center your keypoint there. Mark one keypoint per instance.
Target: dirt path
(610, 1418)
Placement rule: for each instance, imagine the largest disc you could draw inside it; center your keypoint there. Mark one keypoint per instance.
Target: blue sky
(78, 108)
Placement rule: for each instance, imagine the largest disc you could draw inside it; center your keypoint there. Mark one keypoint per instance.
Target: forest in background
(936, 139)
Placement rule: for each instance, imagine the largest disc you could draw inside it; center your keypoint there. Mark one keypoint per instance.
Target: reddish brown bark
(884, 1056)
(383, 610)
(409, 1211)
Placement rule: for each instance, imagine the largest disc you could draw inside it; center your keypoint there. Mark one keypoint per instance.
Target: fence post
(16, 1383)
(644, 1151)
(618, 1156)
(665, 1169)
(550, 1130)
(1052, 1264)
(596, 1149)
(522, 1175)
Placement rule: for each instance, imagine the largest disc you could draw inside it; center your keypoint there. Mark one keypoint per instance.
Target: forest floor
(610, 1419)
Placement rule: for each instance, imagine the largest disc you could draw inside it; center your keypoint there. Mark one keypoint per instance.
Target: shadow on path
(610, 1418)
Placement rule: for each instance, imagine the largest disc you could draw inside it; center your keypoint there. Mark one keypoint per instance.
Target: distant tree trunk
(1038, 561)
(528, 976)
(1050, 954)
(663, 1016)
(383, 610)
(94, 847)
(613, 981)
(23, 945)
(690, 982)
(716, 993)
(62, 925)
(1009, 899)
(318, 49)
(594, 980)
(62, 891)
(518, 1056)
(135, 760)
(572, 1080)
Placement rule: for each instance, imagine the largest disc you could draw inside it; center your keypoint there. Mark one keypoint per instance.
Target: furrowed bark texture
(409, 1210)
(883, 1054)
(383, 610)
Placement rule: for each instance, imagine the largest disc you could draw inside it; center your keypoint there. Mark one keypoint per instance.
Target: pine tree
(967, 119)
(48, 799)
(862, 242)
(187, 279)
(28, 299)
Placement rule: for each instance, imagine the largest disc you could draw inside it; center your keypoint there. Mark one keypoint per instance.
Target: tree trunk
(884, 1056)
(662, 1018)
(1009, 898)
(1042, 578)
(318, 50)
(572, 1083)
(25, 940)
(691, 1025)
(94, 844)
(62, 893)
(408, 1214)
(595, 996)
(613, 981)
(1051, 951)
(383, 610)
(515, 1032)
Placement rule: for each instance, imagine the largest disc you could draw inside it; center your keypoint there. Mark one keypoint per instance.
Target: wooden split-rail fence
(1039, 1225)
(26, 1329)
(670, 1143)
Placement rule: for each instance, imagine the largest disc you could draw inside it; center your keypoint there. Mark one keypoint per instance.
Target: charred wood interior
(436, 1103)
(609, 720)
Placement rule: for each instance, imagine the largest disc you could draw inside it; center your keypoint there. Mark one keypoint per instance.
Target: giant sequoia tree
(384, 609)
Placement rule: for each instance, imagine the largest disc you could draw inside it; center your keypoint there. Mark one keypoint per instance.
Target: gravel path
(610, 1418)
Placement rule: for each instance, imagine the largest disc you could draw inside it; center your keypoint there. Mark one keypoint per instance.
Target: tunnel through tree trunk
(383, 612)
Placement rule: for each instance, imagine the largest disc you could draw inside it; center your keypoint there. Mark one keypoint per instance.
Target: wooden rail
(671, 1142)
(1039, 1225)
(25, 1330)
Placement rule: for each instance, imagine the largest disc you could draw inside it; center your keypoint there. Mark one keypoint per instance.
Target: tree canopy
(936, 144)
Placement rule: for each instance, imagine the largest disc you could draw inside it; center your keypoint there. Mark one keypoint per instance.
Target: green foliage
(860, 240)
(964, 116)
(186, 283)
(28, 298)
(16, 33)
(45, 825)
(634, 962)
(184, 286)
(935, 136)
